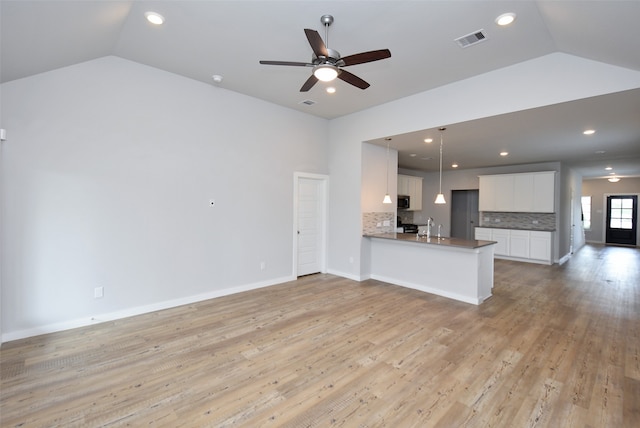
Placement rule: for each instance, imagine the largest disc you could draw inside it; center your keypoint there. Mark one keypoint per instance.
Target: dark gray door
(622, 219)
(464, 213)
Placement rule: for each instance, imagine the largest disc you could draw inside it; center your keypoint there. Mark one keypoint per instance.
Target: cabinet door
(486, 194)
(503, 188)
(402, 185)
(519, 243)
(540, 246)
(543, 192)
(483, 234)
(416, 194)
(501, 236)
(523, 193)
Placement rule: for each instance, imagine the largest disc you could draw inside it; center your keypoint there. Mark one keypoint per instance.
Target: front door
(622, 219)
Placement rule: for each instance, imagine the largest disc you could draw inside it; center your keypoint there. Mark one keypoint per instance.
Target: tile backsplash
(374, 223)
(529, 221)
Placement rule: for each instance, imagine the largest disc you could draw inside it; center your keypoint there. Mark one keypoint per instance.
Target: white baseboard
(562, 260)
(346, 275)
(139, 310)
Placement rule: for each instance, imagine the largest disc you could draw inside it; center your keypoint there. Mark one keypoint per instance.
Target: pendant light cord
(388, 168)
(440, 162)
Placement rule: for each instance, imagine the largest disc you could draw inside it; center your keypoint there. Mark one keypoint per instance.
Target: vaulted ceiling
(200, 39)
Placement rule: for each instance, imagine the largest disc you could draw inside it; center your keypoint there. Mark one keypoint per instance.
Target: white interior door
(310, 233)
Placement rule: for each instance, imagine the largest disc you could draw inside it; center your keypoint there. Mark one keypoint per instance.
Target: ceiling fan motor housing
(333, 58)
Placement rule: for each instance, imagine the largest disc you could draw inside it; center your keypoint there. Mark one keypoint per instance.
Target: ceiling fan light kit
(327, 63)
(325, 72)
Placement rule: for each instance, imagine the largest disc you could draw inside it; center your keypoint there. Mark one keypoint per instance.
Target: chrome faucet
(439, 227)
(429, 224)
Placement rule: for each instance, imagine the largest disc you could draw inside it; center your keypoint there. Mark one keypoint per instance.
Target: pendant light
(440, 196)
(387, 197)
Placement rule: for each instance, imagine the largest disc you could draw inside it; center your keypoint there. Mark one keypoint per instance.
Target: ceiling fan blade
(361, 58)
(317, 45)
(352, 79)
(312, 80)
(297, 64)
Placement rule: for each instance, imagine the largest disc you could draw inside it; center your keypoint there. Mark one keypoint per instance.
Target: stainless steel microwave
(404, 202)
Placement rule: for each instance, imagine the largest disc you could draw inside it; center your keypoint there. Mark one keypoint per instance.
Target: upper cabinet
(411, 186)
(532, 192)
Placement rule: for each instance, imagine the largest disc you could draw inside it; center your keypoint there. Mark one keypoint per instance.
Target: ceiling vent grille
(471, 39)
(307, 102)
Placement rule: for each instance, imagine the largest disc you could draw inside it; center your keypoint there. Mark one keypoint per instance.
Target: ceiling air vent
(308, 102)
(471, 39)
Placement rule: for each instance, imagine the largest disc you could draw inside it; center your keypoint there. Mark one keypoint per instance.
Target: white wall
(107, 177)
(543, 81)
(374, 178)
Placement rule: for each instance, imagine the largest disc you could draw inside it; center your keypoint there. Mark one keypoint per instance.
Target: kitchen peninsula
(450, 267)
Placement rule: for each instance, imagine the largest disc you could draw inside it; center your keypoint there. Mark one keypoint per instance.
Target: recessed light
(331, 90)
(428, 140)
(613, 179)
(413, 155)
(608, 168)
(589, 132)
(600, 152)
(454, 165)
(505, 19)
(504, 153)
(217, 78)
(612, 173)
(154, 18)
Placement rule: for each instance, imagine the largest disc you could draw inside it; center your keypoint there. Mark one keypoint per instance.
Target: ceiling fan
(327, 63)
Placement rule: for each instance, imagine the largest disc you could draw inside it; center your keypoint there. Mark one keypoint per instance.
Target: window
(621, 214)
(586, 212)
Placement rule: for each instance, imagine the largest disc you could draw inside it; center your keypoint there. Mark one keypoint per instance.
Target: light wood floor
(556, 346)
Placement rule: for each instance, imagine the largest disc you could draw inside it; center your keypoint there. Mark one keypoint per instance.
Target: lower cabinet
(523, 245)
(519, 243)
(501, 236)
(540, 246)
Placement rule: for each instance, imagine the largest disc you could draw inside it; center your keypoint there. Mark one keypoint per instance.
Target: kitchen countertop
(434, 240)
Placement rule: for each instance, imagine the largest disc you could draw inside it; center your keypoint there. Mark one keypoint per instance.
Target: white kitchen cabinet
(522, 191)
(483, 234)
(526, 192)
(501, 236)
(411, 186)
(487, 199)
(544, 185)
(521, 245)
(540, 246)
(504, 191)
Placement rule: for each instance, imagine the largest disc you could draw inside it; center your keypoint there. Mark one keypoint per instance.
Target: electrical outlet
(535, 222)
(497, 220)
(263, 265)
(98, 292)
(386, 223)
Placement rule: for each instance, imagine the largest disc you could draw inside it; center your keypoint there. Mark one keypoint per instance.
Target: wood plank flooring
(556, 346)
